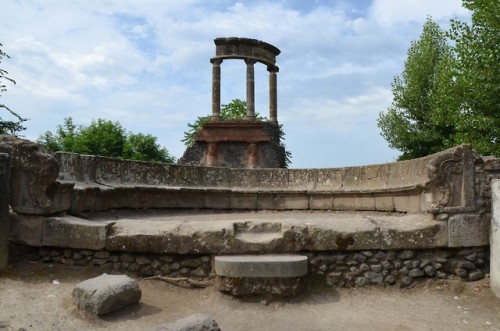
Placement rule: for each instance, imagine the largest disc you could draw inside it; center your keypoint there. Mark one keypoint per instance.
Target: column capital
(271, 68)
(216, 61)
(249, 61)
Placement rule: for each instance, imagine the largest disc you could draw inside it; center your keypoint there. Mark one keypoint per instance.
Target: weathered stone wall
(4, 209)
(33, 174)
(400, 268)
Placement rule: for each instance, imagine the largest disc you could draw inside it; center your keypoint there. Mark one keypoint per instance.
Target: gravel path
(38, 297)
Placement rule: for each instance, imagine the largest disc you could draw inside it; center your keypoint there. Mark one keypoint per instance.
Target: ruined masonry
(380, 224)
(237, 215)
(240, 143)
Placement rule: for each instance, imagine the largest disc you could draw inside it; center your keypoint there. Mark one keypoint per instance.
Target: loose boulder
(194, 322)
(106, 293)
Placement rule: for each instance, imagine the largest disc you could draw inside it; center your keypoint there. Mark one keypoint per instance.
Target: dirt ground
(37, 296)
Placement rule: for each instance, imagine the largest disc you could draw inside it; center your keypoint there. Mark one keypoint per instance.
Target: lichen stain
(344, 242)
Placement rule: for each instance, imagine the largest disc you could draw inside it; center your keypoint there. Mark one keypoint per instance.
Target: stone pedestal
(495, 238)
(260, 274)
(4, 209)
(237, 144)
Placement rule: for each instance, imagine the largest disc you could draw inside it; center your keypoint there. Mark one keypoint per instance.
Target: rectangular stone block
(205, 237)
(84, 198)
(468, 230)
(273, 179)
(270, 201)
(413, 232)
(407, 203)
(384, 203)
(26, 229)
(245, 179)
(143, 236)
(329, 179)
(296, 201)
(185, 175)
(166, 197)
(74, 232)
(302, 179)
(243, 201)
(344, 203)
(343, 232)
(215, 177)
(218, 200)
(321, 202)
(364, 203)
(191, 199)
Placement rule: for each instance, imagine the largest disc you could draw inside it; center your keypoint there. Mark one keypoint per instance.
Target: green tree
(420, 120)
(64, 139)
(235, 110)
(101, 137)
(144, 147)
(105, 138)
(478, 76)
(8, 126)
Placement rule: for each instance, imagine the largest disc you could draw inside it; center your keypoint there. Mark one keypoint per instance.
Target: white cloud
(392, 12)
(146, 63)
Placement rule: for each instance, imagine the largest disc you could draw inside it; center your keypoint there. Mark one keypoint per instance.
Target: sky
(146, 64)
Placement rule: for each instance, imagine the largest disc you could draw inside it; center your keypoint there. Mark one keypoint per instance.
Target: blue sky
(146, 64)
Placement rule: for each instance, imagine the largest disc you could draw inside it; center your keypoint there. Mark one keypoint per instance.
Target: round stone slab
(264, 266)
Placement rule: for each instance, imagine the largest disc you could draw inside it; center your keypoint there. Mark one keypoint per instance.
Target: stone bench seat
(189, 232)
(88, 196)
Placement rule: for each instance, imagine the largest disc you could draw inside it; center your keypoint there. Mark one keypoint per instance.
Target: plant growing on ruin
(8, 126)
(105, 138)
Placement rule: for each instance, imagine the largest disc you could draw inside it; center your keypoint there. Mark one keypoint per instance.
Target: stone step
(261, 266)
(201, 232)
(276, 274)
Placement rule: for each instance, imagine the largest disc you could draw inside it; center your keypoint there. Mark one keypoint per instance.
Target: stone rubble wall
(400, 268)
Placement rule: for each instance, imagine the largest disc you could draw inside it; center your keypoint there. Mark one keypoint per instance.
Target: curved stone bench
(440, 183)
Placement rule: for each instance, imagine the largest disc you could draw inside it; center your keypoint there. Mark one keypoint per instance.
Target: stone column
(495, 238)
(212, 154)
(4, 209)
(273, 94)
(215, 88)
(253, 155)
(250, 89)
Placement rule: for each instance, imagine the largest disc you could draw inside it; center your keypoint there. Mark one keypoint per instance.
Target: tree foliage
(235, 110)
(105, 138)
(8, 126)
(449, 95)
(418, 121)
(478, 75)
